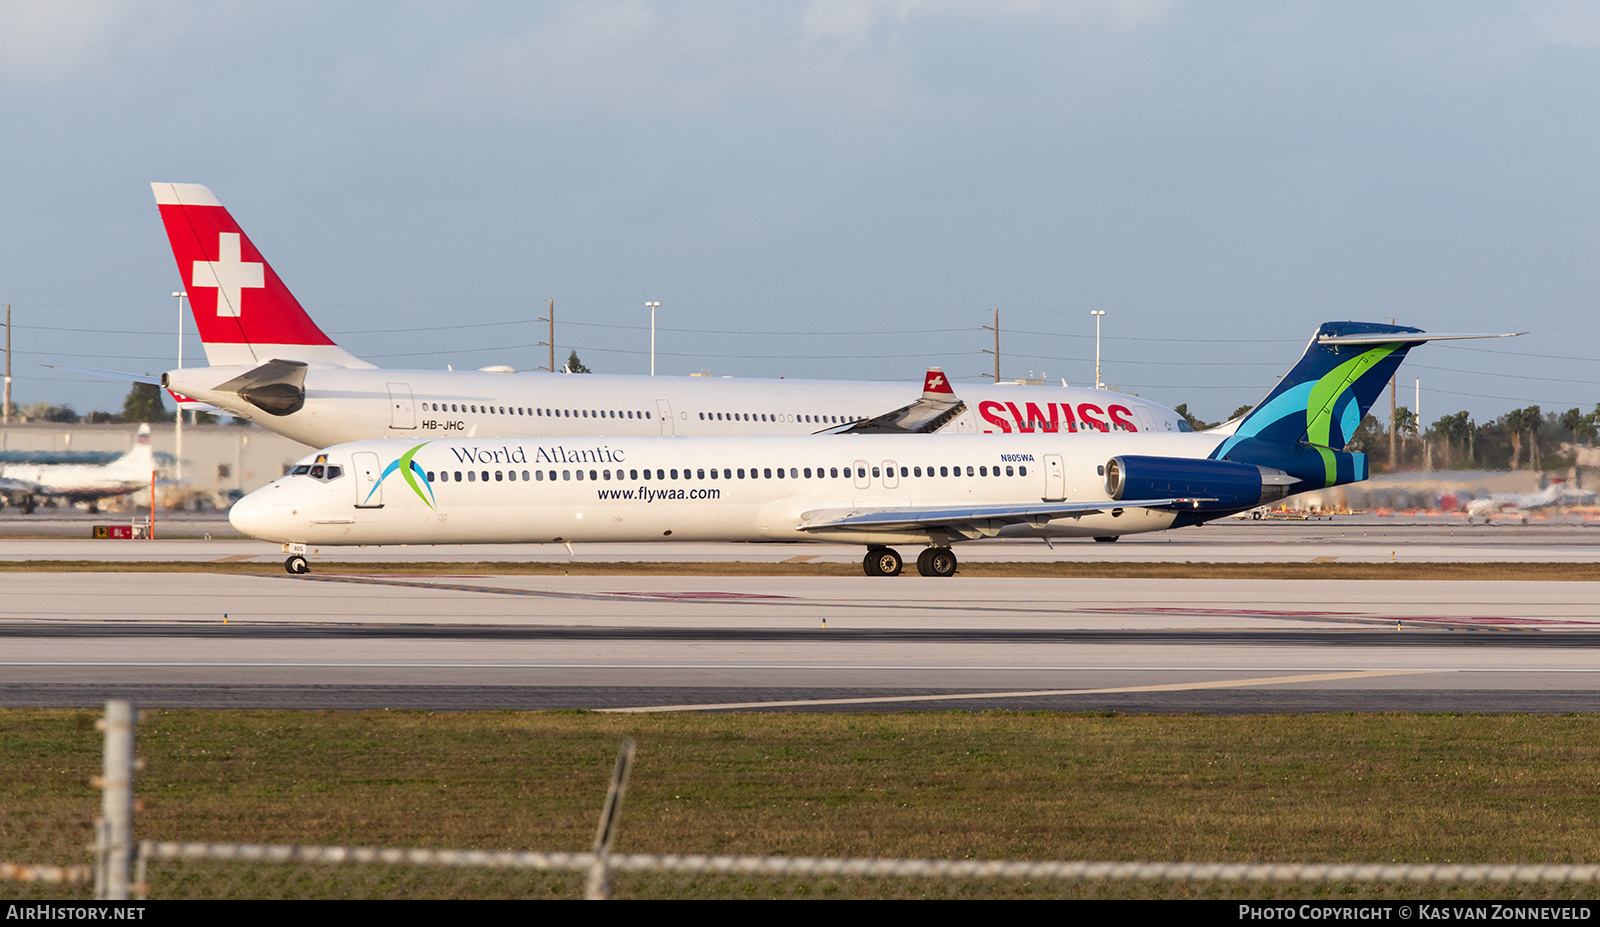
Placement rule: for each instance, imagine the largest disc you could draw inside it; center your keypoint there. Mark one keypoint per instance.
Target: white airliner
(873, 489)
(23, 484)
(271, 364)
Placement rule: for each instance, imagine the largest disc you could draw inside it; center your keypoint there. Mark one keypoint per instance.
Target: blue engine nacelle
(1221, 484)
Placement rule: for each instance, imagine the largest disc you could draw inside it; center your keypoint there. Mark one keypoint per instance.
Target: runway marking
(236, 558)
(799, 560)
(1323, 559)
(1169, 687)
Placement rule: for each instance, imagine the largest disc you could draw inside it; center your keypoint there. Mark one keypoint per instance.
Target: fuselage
(510, 490)
(353, 404)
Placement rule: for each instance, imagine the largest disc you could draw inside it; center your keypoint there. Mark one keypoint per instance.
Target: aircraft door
(863, 481)
(369, 486)
(1145, 421)
(664, 414)
(891, 477)
(402, 411)
(1055, 478)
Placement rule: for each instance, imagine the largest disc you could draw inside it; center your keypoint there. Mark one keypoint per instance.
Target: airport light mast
(177, 434)
(1097, 313)
(653, 307)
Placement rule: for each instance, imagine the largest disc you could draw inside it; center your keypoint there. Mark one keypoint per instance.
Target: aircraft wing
(10, 485)
(937, 407)
(967, 520)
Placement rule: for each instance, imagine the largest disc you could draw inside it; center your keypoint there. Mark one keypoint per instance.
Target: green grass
(1299, 788)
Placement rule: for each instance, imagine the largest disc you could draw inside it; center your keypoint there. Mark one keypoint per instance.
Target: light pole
(177, 434)
(1097, 313)
(653, 307)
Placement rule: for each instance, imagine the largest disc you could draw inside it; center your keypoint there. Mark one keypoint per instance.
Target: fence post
(598, 885)
(114, 843)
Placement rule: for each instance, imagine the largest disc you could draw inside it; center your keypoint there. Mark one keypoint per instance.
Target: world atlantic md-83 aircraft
(271, 364)
(876, 490)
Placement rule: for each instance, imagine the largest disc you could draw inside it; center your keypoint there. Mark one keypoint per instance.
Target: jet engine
(1216, 484)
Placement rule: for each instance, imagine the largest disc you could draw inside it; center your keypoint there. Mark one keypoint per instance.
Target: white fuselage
(352, 404)
(510, 490)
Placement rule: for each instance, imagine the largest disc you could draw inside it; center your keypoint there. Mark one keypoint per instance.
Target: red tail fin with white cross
(244, 312)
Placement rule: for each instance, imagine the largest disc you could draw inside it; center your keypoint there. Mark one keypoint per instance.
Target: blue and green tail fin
(1314, 411)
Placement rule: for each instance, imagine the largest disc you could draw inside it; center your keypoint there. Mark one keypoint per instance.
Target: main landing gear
(934, 561)
(297, 564)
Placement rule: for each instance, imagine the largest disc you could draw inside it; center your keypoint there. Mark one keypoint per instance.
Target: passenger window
(833, 472)
(700, 474)
(741, 473)
(1010, 472)
(591, 475)
(430, 476)
(471, 477)
(458, 476)
(727, 474)
(674, 474)
(511, 475)
(983, 471)
(499, 476)
(538, 476)
(944, 471)
(767, 473)
(1022, 471)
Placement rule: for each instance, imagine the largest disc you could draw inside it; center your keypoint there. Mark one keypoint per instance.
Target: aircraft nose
(245, 515)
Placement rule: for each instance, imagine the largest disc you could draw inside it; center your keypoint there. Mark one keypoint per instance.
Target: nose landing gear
(297, 564)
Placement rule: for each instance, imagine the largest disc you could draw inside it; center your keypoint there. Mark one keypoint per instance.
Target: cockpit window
(322, 472)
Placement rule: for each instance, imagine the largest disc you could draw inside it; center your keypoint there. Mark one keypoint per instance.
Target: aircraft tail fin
(245, 314)
(1314, 411)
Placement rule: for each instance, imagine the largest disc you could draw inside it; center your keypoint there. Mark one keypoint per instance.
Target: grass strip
(1438, 571)
(1307, 788)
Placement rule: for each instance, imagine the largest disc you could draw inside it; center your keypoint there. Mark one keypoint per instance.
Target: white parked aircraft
(1557, 495)
(271, 364)
(871, 489)
(23, 484)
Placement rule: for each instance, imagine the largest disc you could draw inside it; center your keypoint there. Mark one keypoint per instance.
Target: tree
(576, 366)
(1580, 426)
(1369, 436)
(1238, 412)
(1452, 428)
(1195, 423)
(45, 412)
(144, 404)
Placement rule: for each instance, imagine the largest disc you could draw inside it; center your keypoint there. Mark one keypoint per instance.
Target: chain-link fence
(56, 850)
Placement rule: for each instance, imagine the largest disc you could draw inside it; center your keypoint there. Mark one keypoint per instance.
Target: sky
(824, 189)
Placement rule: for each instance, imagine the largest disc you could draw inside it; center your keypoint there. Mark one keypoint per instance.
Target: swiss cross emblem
(229, 274)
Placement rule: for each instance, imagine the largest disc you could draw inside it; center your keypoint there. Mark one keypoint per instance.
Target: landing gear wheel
(1108, 539)
(297, 565)
(937, 561)
(881, 561)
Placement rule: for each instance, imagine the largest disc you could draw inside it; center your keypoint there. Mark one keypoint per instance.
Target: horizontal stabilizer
(1406, 338)
(109, 374)
(937, 408)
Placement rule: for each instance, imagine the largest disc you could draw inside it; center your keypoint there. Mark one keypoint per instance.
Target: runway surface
(812, 644)
(1363, 538)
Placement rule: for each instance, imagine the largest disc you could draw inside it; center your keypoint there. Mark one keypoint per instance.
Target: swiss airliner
(271, 364)
(878, 490)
